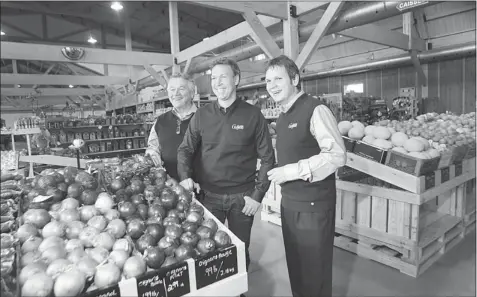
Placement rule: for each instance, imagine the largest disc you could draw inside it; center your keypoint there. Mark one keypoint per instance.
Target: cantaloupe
(344, 127)
(368, 139)
(414, 145)
(368, 130)
(424, 141)
(356, 133)
(357, 124)
(399, 138)
(384, 144)
(399, 150)
(381, 133)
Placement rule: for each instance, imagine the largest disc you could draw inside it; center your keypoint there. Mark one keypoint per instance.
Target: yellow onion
(30, 270)
(57, 267)
(54, 228)
(31, 244)
(38, 285)
(70, 283)
(107, 275)
(88, 266)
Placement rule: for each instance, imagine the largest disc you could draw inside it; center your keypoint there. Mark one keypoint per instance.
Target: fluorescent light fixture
(116, 6)
(2, 33)
(19, 86)
(92, 40)
(71, 86)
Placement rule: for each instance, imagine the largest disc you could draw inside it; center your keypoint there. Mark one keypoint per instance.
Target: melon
(368, 130)
(356, 133)
(382, 143)
(399, 138)
(399, 150)
(424, 141)
(392, 130)
(344, 127)
(381, 133)
(369, 139)
(357, 124)
(414, 145)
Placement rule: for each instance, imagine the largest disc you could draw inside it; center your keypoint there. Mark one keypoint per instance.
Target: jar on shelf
(129, 144)
(102, 146)
(109, 146)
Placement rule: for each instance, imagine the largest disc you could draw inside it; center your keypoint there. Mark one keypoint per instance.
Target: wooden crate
(415, 231)
(411, 165)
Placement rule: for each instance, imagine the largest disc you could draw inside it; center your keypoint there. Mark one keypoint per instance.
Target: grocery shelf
(96, 126)
(116, 151)
(53, 160)
(116, 138)
(21, 131)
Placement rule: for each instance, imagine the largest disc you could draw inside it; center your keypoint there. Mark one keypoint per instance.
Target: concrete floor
(452, 275)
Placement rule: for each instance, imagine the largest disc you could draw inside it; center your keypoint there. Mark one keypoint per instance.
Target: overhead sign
(410, 4)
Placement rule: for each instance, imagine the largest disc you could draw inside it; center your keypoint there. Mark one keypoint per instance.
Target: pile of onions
(104, 202)
(50, 242)
(107, 275)
(98, 222)
(98, 254)
(38, 285)
(117, 228)
(87, 265)
(87, 235)
(54, 228)
(31, 244)
(73, 229)
(73, 244)
(76, 255)
(111, 214)
(37, 217)
(118, 257)
(69, 203)
(26, 231)
(87, 212)
(57, 267)
(70, 283)
(69, 215)
(104, 240)
(134, 267)
(53, 253)
(124, 245)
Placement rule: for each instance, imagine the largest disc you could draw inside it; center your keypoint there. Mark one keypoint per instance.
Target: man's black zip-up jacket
(229, 142)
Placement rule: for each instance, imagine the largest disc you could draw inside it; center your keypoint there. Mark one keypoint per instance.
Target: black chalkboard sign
(458, 169)
(216, 266)
(172, 281)
(112, 291)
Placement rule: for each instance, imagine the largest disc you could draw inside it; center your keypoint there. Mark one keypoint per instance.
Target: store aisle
(453, 275)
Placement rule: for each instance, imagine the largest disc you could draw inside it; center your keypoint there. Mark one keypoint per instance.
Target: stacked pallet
(404, 221)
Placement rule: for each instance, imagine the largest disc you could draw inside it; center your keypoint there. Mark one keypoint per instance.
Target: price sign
(167, 282)
(112, 291)
(216, 266)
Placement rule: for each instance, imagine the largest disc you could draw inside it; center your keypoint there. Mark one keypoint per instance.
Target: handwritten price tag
(172, 281)
(112, 291)
(216, 266)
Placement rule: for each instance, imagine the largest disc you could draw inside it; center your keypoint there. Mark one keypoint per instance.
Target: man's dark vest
(169, 139)
(294, 143)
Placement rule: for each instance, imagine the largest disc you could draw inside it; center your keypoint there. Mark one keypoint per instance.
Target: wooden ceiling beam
(61, 80)
(40, 52)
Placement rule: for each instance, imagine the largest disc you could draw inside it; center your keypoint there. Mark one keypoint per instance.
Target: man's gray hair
(186, 77)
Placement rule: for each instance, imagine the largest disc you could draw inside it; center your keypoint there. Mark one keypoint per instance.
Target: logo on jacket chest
(292, 125)
(237, 127)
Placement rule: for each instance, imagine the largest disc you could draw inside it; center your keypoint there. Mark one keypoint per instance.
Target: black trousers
(229, 206)
(308, 238)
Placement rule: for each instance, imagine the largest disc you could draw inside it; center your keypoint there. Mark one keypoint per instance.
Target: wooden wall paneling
(470, 81)
(450, 85)
(407, 77)
(373, 83)
(322, 86)
(390, 84)
(310, 87)
(354, 78)
(334, 85)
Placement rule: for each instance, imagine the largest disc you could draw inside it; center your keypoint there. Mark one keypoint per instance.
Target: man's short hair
(186, 77)
(290, 67)
(229, 62)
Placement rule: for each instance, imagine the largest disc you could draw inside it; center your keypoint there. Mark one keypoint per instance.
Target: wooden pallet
(439, 240)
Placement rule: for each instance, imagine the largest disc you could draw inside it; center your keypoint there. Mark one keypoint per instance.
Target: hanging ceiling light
(2, 33)
(71, 86)
(116, 6)
(92, 40)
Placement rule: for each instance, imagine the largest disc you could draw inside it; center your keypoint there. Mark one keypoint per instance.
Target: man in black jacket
(309, 151)
(229, 135)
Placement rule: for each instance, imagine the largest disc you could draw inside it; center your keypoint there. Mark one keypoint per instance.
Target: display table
(27, 132)
(54, 160)
(408, 228)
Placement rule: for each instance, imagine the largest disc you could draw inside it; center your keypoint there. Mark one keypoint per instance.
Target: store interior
(399, 77)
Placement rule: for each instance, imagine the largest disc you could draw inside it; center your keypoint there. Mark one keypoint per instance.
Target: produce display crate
(220, 273)
(411, 165)
(395, 220)
(453, 155)
(470, 151)
(349, 143)
(370, 152)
